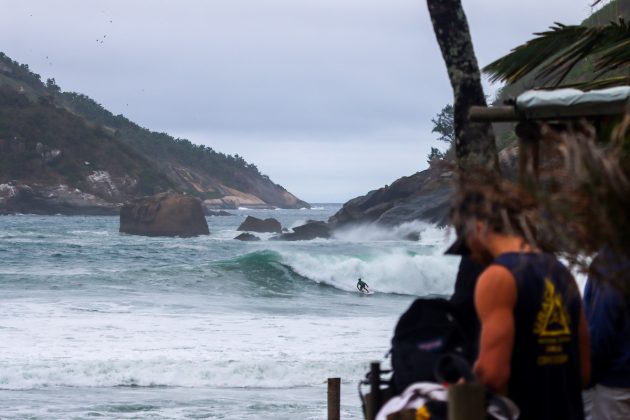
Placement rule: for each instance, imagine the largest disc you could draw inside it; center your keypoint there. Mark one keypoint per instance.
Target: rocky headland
(62, 152)
(423, 196)
(52, 199)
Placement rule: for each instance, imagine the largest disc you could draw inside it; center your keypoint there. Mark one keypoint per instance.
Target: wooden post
(466, 402)
(334, 398)
(375, 388)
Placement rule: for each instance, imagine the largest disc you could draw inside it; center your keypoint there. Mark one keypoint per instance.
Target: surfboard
(363, 292)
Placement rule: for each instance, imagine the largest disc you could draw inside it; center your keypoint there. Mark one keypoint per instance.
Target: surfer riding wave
(362, 286)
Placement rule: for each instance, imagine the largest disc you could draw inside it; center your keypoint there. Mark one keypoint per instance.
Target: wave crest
(268, 373)
(392, 271)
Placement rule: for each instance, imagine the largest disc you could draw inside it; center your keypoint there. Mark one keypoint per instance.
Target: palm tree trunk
(474, 142)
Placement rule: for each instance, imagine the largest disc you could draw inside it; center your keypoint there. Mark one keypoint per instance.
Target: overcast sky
(330, 98)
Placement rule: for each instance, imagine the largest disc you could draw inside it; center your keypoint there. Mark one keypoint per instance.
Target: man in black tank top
(534, 341)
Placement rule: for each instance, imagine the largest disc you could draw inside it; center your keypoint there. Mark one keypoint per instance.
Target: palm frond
(600, 83)
(552, 55)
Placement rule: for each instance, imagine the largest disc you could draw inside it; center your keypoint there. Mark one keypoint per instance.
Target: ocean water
(98, 324)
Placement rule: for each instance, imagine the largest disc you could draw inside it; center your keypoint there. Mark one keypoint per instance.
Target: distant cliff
(422, 196)
(62, 152)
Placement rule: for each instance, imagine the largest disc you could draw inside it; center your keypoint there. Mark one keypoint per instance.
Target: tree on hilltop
(444, 125)
(52, 85)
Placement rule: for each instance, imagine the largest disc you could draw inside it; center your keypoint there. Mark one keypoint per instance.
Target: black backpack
(428, 330)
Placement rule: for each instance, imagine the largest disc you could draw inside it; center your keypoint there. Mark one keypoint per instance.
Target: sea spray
(429, 235)
(391, 271)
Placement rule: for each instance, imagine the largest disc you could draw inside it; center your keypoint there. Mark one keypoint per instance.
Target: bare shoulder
(496, 287)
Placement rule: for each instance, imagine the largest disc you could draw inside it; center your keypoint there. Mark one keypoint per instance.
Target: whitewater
(94, 323)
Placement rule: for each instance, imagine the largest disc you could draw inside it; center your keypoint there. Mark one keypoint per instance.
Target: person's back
(608, 314)
(545, 379)
(534, 339)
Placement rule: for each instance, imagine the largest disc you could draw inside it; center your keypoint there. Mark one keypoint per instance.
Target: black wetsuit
(362, 286)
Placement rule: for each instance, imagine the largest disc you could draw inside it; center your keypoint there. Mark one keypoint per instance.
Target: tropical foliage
(444, 125)
(553, 54)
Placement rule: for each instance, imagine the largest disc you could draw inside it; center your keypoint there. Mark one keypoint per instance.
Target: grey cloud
(309, 71)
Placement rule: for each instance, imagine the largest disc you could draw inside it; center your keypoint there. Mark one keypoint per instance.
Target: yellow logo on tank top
(553, 327)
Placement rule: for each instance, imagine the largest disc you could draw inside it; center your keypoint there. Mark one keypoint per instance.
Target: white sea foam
(261, 373)
(183, 245)
(43, 271)
(47, 345)
(90, 232)
(297, 223)
(429, 234)
(230, 234)
(392, 271)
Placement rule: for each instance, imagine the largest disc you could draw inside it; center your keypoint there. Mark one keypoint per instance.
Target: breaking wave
(395, 270)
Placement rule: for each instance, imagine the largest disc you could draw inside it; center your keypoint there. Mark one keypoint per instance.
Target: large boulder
(254, 224)
(311, 230)
(165, 214)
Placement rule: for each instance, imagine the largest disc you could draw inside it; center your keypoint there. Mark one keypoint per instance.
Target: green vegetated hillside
(611, 11)
(64, 152)
(41, 142)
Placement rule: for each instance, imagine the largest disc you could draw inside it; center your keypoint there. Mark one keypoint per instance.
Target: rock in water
(311, 230)
(217, 213)
(254, 224)
(247, 237)
(165, 214)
